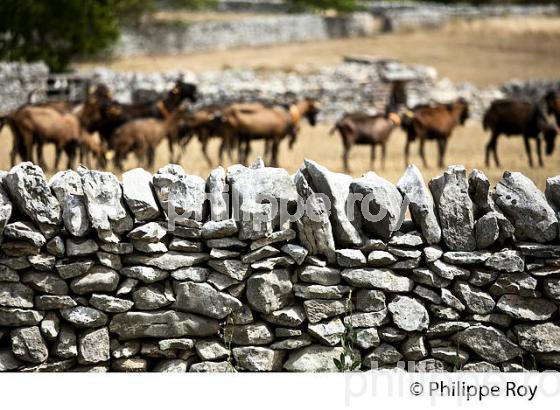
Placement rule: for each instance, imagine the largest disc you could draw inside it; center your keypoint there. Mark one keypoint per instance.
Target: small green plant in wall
(348, 360)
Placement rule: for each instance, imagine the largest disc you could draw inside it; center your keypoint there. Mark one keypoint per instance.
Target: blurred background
(348, 56)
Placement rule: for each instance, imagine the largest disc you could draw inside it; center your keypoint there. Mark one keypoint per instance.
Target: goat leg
(247, 152)
(528, 150)
(442, 145)
(406, 152)
(345, 155)
(205, 151)
(539, 152)
(170, 144)
(40, 158)
(151, 158)
(57, 152)
(70, 150)
(274, 159)
(422, 152)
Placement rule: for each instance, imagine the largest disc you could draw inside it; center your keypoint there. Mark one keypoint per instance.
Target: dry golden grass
(466, 147)
(199, 16)
(483, 52)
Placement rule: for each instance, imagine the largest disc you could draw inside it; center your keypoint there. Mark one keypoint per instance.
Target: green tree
(338, 5)
(56, 31)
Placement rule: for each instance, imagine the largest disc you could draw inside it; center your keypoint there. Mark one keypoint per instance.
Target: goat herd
(140, 128)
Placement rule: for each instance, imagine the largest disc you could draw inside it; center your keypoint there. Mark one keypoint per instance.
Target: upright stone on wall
(526, 207)
(421, 205)
(455, 208)
(337, 188)
(32, 196)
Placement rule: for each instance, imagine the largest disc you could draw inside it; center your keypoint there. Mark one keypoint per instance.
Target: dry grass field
(484, 52)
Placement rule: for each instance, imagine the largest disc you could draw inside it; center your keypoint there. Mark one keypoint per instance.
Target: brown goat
(92, 144)
(364, 129)
(552, 100)
(205, 124)
(35, 125)
(515, 117)
(435, 122)
(142, 136)
(246, 122)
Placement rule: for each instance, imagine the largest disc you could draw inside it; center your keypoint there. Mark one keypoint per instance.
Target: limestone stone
(219, 229)
(314, 226)
(27, 187)
(161, 324)
(539, 338)
(489, 343)
(138, 194)
(171, 260)
(506, 261)
(475, 299)
(290, 316)
(84, 316)
(373, 278)
(319, 275)
(531, 309)
(319, 309)
(204, 299)
(45, 282)
(526, 207)
(217, 191)
(257, 333)
(380, 204)
(409, 314)
(28, 344)
(105, 205)
(328, 332)
(67, 186)
(422, 208)
(383, 355)
(98, 279)
(145, 274)
(257, 359)
(314, 358)
(454, 208)
(350, 258)
(267, 292)
(320, 291)
(16, 294)
(337, 188)
(296, 252)
(181, 196)
(93, 346)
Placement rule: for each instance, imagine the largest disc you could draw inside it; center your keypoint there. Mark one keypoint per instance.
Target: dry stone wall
(256, 270)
